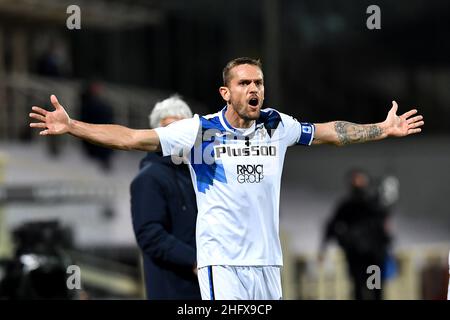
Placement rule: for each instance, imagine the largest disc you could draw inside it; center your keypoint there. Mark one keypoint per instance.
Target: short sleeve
(297, 133)
(178, 137)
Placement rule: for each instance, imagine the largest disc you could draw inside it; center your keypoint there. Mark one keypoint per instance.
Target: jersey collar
(229, 127)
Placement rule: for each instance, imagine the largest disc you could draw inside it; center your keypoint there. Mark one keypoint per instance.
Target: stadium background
(321, 63)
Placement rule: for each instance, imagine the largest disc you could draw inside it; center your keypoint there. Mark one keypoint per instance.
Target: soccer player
(235, 158)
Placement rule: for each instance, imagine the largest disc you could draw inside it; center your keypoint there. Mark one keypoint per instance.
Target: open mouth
(253, 102)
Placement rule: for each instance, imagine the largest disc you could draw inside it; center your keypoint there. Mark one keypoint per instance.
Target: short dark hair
(237, 62)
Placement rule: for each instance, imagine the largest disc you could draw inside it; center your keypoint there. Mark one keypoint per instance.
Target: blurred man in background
(164, 213)
(359, 226)
(95, 109)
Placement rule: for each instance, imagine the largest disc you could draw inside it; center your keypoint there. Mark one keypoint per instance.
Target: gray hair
(173, 106)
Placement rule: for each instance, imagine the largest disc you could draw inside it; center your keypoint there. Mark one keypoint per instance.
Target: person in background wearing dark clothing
(164, 214)
(55, 61)
(95, 110)
(359, 227)
(388, 192)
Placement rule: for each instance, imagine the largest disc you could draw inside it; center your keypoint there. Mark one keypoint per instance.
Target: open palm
(54, 122)
(400, 126)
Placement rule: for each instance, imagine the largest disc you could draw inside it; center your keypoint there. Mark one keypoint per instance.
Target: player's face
(246, 91)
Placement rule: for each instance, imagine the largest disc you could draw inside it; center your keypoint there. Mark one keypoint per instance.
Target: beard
(246, 112)
(249, 115)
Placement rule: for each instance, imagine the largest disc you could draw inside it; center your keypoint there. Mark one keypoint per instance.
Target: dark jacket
(358, 225)
(164, 213)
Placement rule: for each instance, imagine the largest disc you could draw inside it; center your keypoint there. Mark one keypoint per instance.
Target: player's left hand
(400, 126)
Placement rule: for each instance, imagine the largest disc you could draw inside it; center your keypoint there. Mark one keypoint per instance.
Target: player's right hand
(53, 122)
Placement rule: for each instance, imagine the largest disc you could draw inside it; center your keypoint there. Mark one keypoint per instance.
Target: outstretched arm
(342, 132)
(112, 136)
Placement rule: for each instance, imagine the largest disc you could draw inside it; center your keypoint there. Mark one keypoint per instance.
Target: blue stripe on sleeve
(307, 134)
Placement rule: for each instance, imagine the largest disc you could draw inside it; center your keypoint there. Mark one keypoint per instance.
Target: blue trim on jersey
(230, 127)
(306, 134)
(212, 123)
(271, 119)
(205, 172)
(211, 283)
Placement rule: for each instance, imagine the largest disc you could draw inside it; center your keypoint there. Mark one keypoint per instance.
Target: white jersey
(236, 175)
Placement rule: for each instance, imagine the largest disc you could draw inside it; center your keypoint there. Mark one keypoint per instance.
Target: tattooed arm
(342, 133)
